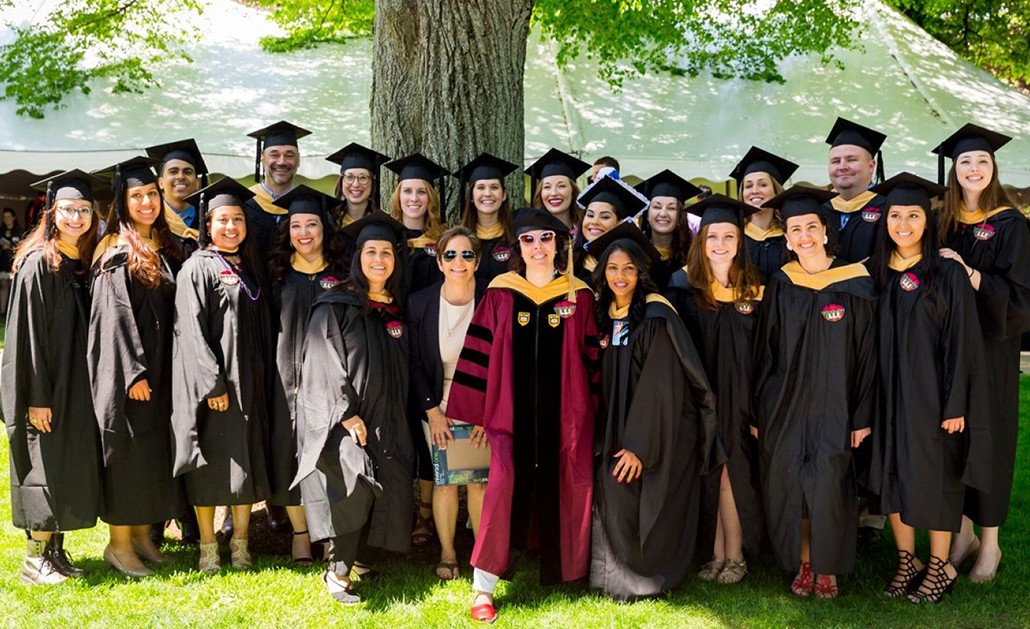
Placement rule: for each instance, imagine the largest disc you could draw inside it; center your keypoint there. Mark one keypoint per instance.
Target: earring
(789, 248)
(826, 240)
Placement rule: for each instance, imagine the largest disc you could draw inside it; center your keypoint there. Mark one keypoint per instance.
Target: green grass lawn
(273, 594)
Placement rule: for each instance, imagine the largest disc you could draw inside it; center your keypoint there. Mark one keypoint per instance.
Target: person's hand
(220, 403)
(951, 254)
(477, 437)
(857, 436)
(754, 430)
(141, 391)
(356, 427)
(40, 418)
(439, 428)
(953, 425)
(628, 468)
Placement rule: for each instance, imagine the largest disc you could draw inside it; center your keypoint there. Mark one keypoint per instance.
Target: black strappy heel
(938, 581)
(909, 567)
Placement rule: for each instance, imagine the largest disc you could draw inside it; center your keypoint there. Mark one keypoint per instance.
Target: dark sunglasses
(528, 239)
(451, 254)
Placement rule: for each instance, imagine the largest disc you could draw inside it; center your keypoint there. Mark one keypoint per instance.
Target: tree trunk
(447, 81)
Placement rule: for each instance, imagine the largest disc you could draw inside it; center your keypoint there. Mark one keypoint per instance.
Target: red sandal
(483, 613)
(802, 585)
(826, 586)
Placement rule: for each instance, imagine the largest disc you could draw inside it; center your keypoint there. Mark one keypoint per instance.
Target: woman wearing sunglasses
(524, 375)
(53, 438)
(438, 319)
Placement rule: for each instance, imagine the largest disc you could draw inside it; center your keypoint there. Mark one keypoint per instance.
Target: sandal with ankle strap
(935, 584)
(425, 528)
(802, 585)
(907, 577)
(301, 555)
(825, 586)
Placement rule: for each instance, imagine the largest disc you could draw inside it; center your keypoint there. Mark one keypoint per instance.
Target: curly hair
(282, 250)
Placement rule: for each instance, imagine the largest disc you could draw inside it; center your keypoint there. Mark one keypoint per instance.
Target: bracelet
(971, 271)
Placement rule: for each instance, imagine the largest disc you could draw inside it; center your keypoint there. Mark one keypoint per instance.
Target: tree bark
(447, 81)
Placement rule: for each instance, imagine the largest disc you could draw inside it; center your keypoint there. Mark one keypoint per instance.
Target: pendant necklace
(253, 296)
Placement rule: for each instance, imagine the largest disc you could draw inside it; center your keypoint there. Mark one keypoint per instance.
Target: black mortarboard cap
(761, 161)
(847, 132)
(719, 208)
(908, 189)
(185, 150)
(306, 200)
(280, 133)
(375, 226)
(71, 184)
(527, 219)
(799, 200)
(614, 192)
(668, 184)
(132, 173)
(970, 137)
(485, 166)
(355, 155)
(417, 166)
(625, 230)
(555, 162)
(225, 191)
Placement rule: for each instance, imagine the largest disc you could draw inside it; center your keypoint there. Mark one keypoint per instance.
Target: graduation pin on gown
(221, 346)
(658, 404)
(130, 336)
(55, 476)
(356, 364)
(815, 383)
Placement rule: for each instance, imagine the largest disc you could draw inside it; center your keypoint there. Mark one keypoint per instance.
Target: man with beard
(182, 172)
(278, 157)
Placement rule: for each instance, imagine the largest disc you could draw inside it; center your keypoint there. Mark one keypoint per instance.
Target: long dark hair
(744, 277)
(645, 284)
(358, 283)
(251, 261)
(470, 215)
(279, 264)
(993, 196)
(144, 263)
(39, 239)
(885, 246)
(561, 244)
(831, 246)
(681, 236)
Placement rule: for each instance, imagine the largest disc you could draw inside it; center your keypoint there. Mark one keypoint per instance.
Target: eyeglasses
(72, 212)
(528, 239)
(450, 255)
(362, 179)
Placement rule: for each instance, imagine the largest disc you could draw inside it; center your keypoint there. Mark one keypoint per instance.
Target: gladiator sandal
(209, 561)
(826, 586)
(710, 571)
(905, 579)
(802, 585)
(240, 556)
(936, 584)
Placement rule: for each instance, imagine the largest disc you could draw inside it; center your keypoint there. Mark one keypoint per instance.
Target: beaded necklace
(235, 270)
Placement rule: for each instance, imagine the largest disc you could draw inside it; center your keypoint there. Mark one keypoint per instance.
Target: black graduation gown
(768, 254)
(724, 338)
(130, 339)
(421, 270)
(1000, 250)
(494, 257)
(55, 476)
(221, 346)
(814, 384)
(262, 226)
(293, 298)
(356, 363)
(659, 406)
(858, 237)
(931, 361)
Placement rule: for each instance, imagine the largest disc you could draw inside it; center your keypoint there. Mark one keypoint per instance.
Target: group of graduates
(650, 376)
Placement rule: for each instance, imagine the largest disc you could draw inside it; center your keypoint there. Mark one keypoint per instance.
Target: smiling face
(806, 235)
(663, 215)
(851, 170)
(458, 269)
(377, 263)
(539, 252)
(722, 242)
(228, 227)
(356, 185)
(281, 163)
(73, 218)
(488, 195)
(599, 218)
(144, 205)
(306, 234)
(414, 198)
(178, 180)
(974, 170)
(556, 193)
(906, 225)
(756, 189)
(622, 276)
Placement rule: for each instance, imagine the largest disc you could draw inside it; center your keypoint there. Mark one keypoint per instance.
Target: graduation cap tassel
(443, 198)
(203, 180)
(202, 227)
(940, 168)
(257, 162)
(879, 167)
(49, 210)
(119, 194)
(461, 200)
(569, 277)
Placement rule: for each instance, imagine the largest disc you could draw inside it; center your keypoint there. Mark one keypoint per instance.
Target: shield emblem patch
(430, 250)
(328, 282)
(744, 307)
(833, 313)
(523, 318)
(983, 232)
(565, 309)
(553, 320)
(395, 328)
(501, 253)
(909, 281)
(229, 278)
(870, 214)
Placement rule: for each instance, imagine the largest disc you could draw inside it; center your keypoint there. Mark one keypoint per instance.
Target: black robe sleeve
(423, 391)
(767, 331)
(1004, 297)
(115, 352)
(864, 389)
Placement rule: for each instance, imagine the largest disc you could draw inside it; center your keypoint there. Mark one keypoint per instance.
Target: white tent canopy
(901, 82)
